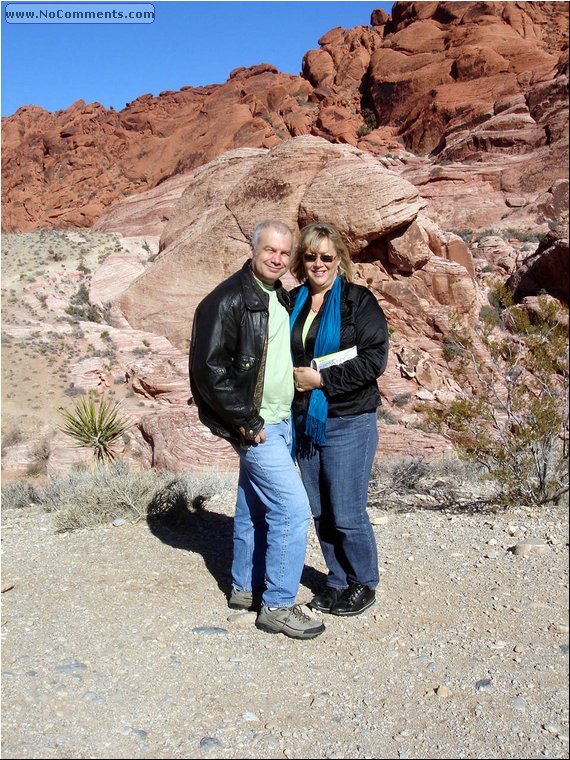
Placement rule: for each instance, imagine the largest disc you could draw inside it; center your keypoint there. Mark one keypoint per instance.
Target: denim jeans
(336, 475)
(271, 519)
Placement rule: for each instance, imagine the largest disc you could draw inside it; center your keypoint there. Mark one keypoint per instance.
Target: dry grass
(88, 497)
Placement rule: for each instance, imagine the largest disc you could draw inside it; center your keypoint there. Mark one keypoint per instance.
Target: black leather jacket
(351, 387)
(227, 354)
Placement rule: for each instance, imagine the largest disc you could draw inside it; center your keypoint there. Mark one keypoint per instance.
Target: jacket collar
(255, 298)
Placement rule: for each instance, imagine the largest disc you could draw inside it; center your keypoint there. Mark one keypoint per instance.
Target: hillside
(478, 84)
(436, 139)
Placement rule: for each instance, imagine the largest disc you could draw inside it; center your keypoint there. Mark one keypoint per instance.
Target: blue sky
(189, 43)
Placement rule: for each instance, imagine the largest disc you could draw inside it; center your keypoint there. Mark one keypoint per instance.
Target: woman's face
(321, 272)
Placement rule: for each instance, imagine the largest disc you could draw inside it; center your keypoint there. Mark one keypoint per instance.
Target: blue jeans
(336, 475)
(271, 519)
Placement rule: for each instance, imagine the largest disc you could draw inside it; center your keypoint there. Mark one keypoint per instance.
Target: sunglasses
(326, 258)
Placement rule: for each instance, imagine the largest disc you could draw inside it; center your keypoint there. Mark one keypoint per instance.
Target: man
(241, 375)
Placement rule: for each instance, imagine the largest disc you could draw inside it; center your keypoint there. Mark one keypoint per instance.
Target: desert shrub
(383, 415)
(12, 437)
(489, 313)
(526, 236)
(511, 413)
(40, 456)
(464, 233)
(84, 313)
(96, 425)
(370, 122)
(72, 389)
(407, 473)
(88, 497)
(18, 494)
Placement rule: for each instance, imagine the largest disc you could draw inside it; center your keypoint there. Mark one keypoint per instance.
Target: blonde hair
(311, 237)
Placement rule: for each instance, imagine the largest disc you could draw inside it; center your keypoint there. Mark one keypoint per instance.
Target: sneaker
(245, 600)
(291, 621)
(354, 600)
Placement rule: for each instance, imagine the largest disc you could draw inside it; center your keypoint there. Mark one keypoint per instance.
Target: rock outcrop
(408, 135)
(417, 271)
(469, 99)
(545, 271)
(374, 209)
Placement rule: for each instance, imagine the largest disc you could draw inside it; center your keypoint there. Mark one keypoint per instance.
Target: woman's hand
(306, 378)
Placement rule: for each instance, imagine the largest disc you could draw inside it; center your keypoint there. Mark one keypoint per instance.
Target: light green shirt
(307, 326)
(278, 387)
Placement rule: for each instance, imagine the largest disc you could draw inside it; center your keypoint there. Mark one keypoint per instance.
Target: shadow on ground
(190, 526)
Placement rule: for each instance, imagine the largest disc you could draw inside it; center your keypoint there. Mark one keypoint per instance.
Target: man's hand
(259, 438)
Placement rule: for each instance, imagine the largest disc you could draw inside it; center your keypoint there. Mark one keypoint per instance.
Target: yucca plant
(97, 425)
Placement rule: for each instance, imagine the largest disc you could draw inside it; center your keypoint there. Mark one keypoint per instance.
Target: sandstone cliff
(482, 85)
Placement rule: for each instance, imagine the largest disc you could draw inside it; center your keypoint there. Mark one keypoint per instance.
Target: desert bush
(40, 456)
(96, 425)
(72, 389)
(526, 236)
(511, 414)
(407, 473)
(465, 233)
(88, 497)
(12, 437)
(84, 313)
(18, 494)
(370, 122)
(383, 415)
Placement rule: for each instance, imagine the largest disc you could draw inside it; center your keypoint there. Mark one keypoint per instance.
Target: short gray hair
(275, 224)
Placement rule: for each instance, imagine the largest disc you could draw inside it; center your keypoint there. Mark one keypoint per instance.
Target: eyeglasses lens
(325, 257)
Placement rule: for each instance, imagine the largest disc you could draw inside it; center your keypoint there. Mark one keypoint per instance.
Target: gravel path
(117, 642)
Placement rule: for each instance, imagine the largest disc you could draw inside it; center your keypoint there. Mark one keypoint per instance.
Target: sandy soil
(117, 642)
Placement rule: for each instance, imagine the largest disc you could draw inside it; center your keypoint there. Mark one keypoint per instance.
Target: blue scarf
(327, 342)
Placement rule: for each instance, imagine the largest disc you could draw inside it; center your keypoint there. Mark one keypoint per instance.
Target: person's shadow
(188, 525)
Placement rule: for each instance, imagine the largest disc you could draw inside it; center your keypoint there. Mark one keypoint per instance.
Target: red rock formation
(299, 181)
(478, 82)
(545, 271)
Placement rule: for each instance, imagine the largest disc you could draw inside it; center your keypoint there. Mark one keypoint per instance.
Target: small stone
(242, 617)
(551, 728)
(528, 548)
(209, 742)
(485, 684)
(206, 630)
(70, 668)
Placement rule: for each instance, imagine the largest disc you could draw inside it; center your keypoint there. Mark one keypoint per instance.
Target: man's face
(272, 257)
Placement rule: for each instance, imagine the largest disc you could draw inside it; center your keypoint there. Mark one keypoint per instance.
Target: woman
(335, 412)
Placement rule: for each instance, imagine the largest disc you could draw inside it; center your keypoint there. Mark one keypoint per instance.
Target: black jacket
(227, 354)
(351, 387)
